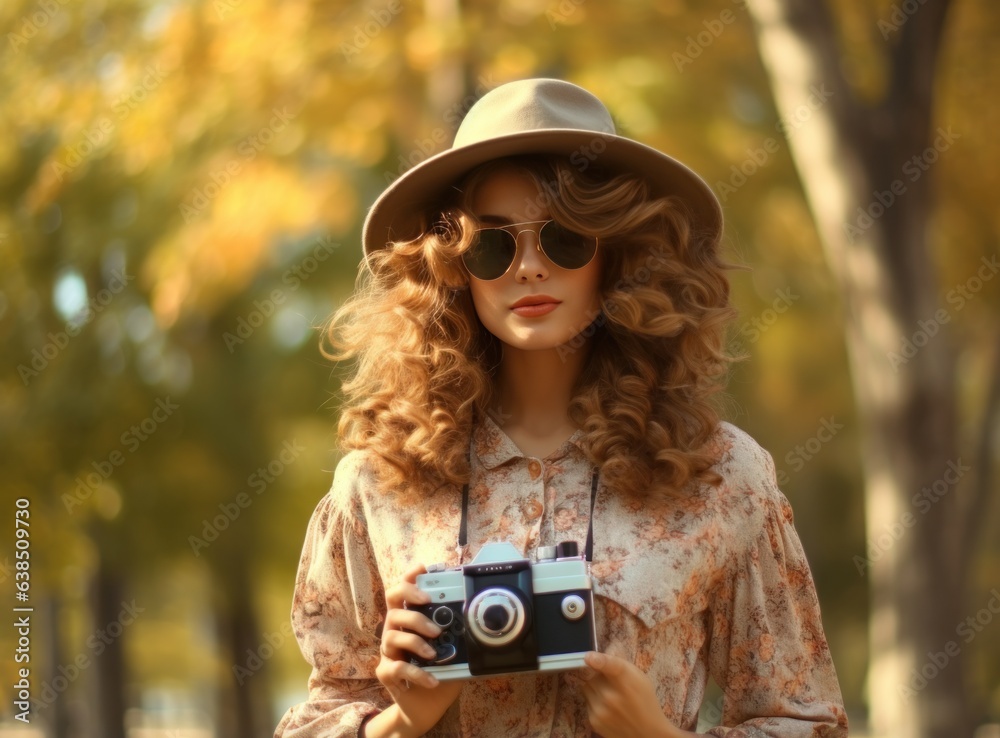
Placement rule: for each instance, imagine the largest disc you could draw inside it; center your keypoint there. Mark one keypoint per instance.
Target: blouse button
(534, 468)
(533, 510)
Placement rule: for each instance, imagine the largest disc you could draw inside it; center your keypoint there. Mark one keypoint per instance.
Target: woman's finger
(407, 590)
(399, 675)
(405, 593)
(413, 621)
(399, 645)
(412, 573)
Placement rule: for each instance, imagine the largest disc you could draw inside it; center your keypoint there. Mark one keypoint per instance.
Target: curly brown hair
(425, 365)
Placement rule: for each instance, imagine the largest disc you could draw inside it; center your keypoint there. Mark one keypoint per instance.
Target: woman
(538, 343)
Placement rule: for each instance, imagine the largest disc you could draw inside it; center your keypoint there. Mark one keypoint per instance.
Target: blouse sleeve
(768, 651)
(337, 609)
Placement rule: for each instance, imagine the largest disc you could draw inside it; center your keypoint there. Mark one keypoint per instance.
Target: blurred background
(182, 186)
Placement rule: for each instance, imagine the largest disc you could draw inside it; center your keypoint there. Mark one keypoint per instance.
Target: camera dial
(496, 617)
(443, 616)
(573, 607)
(547, 553)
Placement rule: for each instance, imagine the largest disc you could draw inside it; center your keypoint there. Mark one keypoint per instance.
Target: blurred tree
(864, 163)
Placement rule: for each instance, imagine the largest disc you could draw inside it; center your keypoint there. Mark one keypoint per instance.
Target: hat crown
(532, 117)
(531, 105)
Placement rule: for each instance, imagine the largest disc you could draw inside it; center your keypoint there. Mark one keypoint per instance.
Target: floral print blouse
(715, 584)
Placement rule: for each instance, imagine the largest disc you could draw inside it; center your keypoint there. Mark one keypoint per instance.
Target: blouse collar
(494, 447)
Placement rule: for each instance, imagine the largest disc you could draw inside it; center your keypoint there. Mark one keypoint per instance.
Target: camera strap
(463, 528)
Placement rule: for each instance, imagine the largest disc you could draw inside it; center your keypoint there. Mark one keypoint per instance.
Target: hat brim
(395, 215)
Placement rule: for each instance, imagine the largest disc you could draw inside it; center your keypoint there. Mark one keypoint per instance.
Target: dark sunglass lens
(565, 248)
(491, 254)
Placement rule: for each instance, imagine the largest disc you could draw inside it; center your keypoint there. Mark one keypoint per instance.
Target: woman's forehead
(509, 195)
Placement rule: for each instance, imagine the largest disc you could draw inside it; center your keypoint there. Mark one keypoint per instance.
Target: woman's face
(509, 196)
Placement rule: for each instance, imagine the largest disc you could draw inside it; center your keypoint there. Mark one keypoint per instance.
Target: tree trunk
(107, 598)
(245, 702)
(870, 199)
(56, 716)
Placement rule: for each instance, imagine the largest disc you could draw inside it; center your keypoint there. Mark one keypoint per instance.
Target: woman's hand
(420, 700)
(622, 701)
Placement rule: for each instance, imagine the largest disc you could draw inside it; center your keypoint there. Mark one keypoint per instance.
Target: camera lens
(496, 617)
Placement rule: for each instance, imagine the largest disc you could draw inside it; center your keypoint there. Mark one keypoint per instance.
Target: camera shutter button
(573, 607)
(443, 616)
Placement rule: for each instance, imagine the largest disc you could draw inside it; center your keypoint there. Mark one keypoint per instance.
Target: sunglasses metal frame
(538, 244)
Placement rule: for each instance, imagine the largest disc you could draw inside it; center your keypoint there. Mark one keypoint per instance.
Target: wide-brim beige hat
(533, 116)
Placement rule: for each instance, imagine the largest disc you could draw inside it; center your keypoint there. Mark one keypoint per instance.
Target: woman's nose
(530, 256)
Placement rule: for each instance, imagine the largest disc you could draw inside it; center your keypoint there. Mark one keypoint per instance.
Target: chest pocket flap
(654, 562)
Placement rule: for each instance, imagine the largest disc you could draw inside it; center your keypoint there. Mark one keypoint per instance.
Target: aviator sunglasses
(493, 250)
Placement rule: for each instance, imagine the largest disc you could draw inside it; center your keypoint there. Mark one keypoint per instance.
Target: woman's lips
(533, 311)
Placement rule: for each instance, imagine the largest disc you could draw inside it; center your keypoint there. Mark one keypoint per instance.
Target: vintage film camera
(502, 614)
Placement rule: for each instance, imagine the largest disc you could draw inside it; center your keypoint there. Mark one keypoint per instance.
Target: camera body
(502, 614)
